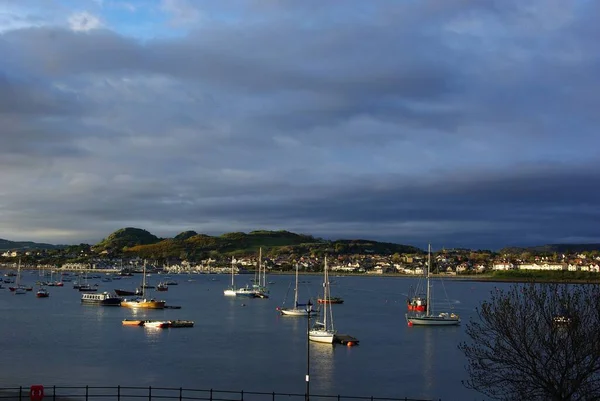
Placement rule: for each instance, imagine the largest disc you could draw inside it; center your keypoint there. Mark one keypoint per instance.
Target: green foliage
(185, 235)
(126, 237)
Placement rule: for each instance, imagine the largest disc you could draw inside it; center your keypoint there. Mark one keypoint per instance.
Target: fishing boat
(42, 293)
(104, 299)
(141, 302)
(428, 318)
(297, 309)
(323, 330)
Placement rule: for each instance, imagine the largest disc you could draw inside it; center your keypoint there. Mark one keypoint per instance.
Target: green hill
(191, 245)
(126, 237)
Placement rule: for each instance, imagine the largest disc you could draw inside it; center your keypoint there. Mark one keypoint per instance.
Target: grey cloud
(465, 121)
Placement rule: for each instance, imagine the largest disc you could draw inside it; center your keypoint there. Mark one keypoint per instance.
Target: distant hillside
(126, 237)
(198, 246)
(6, 245)
(553, 248)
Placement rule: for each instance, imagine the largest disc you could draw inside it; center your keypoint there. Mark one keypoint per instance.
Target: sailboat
(142, 302)
(231, 291)
(428, 318)
(298, 309)
(260, 283)
(323, 331)
(18, 289)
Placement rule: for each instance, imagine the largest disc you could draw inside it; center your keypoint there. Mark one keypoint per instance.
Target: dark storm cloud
(471, 123)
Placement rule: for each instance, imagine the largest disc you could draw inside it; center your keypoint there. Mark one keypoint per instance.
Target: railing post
(273, 399)
(118, 392)
(242, 395)
(180, 394)
(338, 397)
(20, 391)
(149, 393)
(86, 393)
(54, 393)
(211, 395)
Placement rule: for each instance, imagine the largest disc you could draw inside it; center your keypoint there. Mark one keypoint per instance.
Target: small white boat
(157, 324)
(323, 331)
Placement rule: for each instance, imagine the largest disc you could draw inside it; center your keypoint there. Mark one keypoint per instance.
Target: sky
(460, 123)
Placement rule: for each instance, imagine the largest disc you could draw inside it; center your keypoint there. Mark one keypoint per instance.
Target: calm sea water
(58, 341)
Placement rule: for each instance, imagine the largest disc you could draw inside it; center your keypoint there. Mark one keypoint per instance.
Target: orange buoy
(410, 324)
(349, 343)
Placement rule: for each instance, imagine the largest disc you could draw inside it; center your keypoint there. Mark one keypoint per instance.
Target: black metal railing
(122, 393)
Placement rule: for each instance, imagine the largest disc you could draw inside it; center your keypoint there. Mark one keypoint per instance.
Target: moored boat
(181, 323)
(42, 293)
(127, 322)
(157, 324)
(332, 300)
(428, 318)
(104, 299)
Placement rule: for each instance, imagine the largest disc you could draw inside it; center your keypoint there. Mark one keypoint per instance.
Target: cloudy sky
(466, 123)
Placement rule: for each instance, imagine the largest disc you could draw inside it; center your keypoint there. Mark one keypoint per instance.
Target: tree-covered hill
(190, 245)
(125, 238)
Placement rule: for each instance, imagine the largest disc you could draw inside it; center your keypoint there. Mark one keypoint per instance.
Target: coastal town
(452, 262)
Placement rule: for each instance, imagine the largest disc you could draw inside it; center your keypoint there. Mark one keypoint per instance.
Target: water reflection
(428, 353)
(321, 367)
(93, 312)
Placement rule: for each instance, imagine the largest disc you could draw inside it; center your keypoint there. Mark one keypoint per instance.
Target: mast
(296, 292)
(19, 273)
(232, 285)
(325, 295)
(428, 306)
(144, 280)
(264, 277)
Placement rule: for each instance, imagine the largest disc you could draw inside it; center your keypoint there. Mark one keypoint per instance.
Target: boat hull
(333, 300)
(230, 293)
(294, 312)
(433, 320)
(143, 304)
(321, 336)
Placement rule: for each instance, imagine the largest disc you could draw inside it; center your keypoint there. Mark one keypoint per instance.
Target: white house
(542, 266)
(503, 266)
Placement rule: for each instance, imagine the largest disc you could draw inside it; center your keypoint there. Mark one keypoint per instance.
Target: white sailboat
(429, 318)
(323, 330)
(260, 282)
(231, 291)
(19, 289)
(298, 309)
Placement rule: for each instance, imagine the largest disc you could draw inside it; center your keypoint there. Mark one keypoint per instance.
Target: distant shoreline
(476, 278)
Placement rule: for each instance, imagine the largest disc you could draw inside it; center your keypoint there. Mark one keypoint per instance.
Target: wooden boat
(141, 302)
(127, 322)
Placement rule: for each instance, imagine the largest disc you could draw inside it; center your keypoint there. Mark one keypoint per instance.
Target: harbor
(231, 335)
